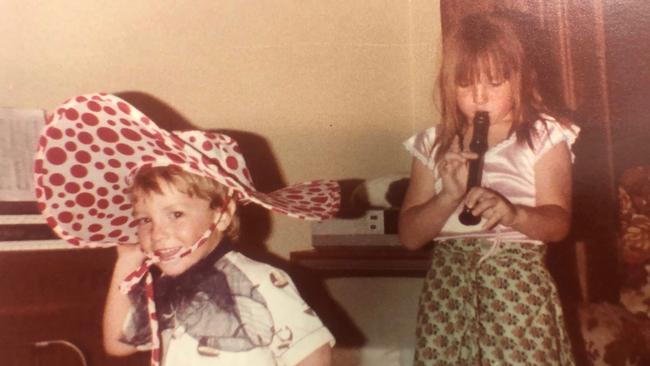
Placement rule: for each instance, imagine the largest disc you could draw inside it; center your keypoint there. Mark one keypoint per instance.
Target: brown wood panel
(26, 232)
(364, 261)
(52, 295)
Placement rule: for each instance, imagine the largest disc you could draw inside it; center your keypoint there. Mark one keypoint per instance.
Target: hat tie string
(143, 271)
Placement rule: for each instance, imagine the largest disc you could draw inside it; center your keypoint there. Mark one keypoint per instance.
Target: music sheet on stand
(19, 131)
(19, 231)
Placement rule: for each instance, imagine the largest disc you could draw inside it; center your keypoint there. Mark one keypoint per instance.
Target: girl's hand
(453, 170)
(491, 205)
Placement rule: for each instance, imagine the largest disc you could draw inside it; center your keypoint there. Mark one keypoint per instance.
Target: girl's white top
(509, 168)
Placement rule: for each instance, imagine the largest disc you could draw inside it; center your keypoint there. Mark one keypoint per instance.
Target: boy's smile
(170, 222)
(166, 255)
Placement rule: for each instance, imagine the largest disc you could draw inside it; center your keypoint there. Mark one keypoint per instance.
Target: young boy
(209, 304)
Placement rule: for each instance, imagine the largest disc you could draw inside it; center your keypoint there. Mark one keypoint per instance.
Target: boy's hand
(129, 257)
(491, 205)
(118, 304)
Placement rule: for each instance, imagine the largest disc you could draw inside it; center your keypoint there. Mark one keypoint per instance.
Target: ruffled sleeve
(550, 133)
(421, 147)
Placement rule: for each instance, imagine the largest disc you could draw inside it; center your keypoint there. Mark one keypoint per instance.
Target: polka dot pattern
(93, 144)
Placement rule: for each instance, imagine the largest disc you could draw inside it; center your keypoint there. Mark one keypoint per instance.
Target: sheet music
(19, 131)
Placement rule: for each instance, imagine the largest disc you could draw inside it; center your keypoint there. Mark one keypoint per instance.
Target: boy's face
(172, 221)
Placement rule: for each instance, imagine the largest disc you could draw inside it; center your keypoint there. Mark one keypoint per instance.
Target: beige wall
(334, 86)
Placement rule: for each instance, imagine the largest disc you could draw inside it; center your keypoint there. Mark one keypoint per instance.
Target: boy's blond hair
(148, 179)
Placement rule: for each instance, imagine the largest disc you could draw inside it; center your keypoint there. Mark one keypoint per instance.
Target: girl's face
(485, 94)
(171, 221)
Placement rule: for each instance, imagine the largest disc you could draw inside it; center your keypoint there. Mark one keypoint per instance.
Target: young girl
(488, 298)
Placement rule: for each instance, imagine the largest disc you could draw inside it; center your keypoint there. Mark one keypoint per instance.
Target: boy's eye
(142, 220)
(177, 214)
(496, 82)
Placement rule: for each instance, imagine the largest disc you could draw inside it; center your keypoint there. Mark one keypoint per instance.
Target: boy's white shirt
(288, 310)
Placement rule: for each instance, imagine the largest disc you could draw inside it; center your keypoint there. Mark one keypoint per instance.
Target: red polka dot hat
(92, 145)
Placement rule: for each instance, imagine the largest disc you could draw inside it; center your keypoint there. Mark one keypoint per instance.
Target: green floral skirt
(481, 306)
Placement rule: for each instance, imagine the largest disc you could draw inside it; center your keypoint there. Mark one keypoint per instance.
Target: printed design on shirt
(218, 306)
(284, 338)
(278, 279)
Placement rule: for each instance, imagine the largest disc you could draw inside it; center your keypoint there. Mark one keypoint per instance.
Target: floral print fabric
(634, 214)
(503, 310)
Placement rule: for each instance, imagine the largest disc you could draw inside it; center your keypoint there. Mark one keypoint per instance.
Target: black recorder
(478, 145)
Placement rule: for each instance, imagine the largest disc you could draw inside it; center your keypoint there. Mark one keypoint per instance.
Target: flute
(477, 145)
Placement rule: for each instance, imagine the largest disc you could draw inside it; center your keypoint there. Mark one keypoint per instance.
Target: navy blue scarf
(174, 293)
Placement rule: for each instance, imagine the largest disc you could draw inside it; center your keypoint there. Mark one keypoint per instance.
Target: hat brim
(92, 144)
